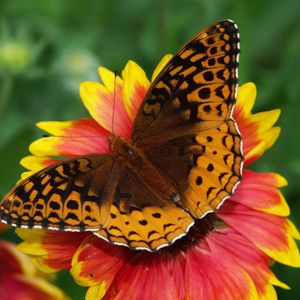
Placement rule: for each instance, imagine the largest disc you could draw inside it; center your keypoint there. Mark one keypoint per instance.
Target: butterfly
(183, 160)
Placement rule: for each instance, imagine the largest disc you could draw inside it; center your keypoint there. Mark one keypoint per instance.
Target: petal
(51, 250)
(259, 191)
(26, 288)
(74, 138)
(246, 255)
(212, 276)
(161, 65)
(175, 266)
(275, 281)
(25, 175)
(256, 129)
(246, 96)
(135, 88)
(263, 121)
(14, 261)
(146, 277)
(257, 132)
(18, 277)
(255, 148)
(271, 179)
(253, 154)
(109, 79)
(269, 293)
(267, 232)
(106, 107)
(34, 163)
(292, 230)
(95, 292)
(68, 147)
(77, 128)
(97, 261)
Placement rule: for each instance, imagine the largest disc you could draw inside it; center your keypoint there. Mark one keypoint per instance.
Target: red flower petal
(146, 277)
(50, 249)
(71, 139)
(175, 266)
(18, 287)
(259, 191)
(97, 260)
(61, 247)
(244, 254)
(9, 260)
(267, 232)
(211, 276)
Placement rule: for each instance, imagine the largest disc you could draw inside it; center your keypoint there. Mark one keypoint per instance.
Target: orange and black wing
(185, 124)
(64, 196)
(96, 193)
(141, 219)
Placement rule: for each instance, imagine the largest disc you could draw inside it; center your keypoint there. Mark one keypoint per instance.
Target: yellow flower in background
(14, 56)
(18, 51)
(74, 64)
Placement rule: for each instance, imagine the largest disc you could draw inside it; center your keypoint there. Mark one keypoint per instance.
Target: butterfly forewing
(184, 124)
(197, 85)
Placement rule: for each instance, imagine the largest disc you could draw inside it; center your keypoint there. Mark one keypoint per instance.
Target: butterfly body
(183, 161)
(133, 158)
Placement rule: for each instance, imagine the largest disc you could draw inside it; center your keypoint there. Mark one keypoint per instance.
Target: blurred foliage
(48, 47)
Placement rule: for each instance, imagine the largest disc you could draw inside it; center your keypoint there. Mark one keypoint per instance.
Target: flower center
(199, 231)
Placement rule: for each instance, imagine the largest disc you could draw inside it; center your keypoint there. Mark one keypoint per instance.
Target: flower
(19, 278)
(72, 64)
(18, 51)
(226, 255)
(14, 55)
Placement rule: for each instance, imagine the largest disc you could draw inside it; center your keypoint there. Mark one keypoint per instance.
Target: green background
(57, 44)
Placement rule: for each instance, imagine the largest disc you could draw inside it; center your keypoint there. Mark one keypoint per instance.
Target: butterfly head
(120, 146)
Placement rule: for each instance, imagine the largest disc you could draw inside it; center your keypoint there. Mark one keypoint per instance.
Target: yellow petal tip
(96, 292)
(161, 65)
(281, 181)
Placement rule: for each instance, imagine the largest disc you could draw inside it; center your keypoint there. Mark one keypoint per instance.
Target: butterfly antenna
(114, 104)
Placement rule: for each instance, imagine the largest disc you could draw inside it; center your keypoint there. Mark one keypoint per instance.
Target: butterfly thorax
(133, 158)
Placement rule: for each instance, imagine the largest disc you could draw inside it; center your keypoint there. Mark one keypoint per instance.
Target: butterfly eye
(129, 151)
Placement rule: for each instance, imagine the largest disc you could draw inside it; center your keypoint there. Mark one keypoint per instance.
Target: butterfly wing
(184, 124)
(96, 193)
(142, 219)
(71, 195)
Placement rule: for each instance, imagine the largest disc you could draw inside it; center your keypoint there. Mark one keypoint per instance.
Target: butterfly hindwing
(141, 219)
(64, 196)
